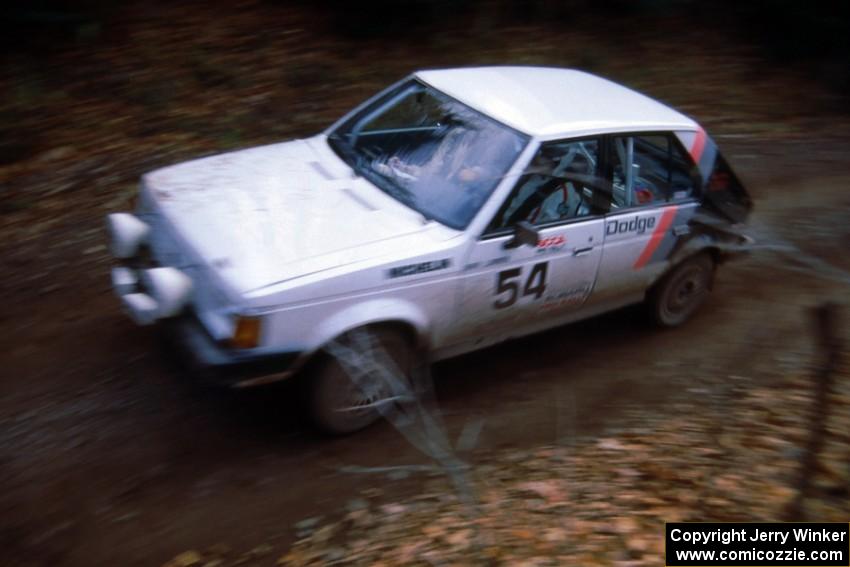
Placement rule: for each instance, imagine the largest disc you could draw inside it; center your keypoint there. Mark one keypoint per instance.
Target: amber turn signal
(246, 333)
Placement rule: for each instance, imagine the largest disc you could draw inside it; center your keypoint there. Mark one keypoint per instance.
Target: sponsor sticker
(419, 268)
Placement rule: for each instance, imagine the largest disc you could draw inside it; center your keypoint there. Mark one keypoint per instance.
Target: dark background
(110, 456)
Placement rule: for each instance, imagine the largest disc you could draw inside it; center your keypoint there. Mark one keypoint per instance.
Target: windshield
(429, 151)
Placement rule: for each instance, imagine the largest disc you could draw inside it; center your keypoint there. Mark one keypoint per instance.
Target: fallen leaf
(186, 559)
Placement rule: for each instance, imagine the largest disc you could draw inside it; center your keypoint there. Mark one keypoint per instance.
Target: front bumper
(166, 296)
(204, 356)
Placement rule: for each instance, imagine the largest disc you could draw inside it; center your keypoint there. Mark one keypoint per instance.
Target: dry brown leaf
(189, 558)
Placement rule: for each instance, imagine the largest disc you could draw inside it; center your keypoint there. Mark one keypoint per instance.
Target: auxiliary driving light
(126, 234)
(169, 287)
(124, 280)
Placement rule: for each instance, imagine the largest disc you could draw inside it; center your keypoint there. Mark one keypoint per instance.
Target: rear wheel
(342, 400)
(681, 292)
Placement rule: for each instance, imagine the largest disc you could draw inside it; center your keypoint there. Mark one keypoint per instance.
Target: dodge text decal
(637, 224)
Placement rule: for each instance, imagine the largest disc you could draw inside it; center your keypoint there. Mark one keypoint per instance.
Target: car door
(507, 288)
(654, 194)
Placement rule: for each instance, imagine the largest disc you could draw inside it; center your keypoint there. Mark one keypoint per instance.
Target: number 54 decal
(506, 283)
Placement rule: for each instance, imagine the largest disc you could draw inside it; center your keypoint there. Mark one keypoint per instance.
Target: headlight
(246, 332)
(126, 234)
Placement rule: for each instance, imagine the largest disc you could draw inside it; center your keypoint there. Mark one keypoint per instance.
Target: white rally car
(454, 210)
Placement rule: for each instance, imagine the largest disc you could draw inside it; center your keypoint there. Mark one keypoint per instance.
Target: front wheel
(357, 374)
(680, 293)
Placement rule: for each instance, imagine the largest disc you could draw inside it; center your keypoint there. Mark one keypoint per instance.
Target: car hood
(269, 214)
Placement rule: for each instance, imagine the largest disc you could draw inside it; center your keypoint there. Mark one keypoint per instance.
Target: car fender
(372, 312)
(694, 245)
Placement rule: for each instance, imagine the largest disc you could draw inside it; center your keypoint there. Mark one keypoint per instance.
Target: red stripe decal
(698, 146)
(656, 238)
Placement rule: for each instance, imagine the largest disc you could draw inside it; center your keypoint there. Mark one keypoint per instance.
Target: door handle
(681, 230)
(582, 251)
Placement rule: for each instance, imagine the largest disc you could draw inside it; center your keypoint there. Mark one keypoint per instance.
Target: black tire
(334, 398)
(682, 291)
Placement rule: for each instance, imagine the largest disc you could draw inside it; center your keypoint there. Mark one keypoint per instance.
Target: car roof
(551, 102)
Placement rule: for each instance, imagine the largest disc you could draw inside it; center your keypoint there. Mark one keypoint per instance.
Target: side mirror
(524, 233)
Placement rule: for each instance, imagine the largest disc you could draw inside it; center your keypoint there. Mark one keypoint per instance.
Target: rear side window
(722, 178)
(725, 191)
(649, 170)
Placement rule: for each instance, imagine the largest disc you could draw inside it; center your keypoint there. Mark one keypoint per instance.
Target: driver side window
(560, 184)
